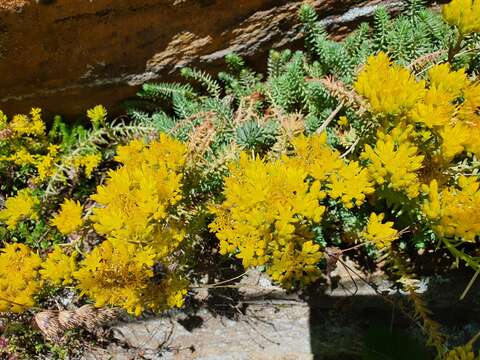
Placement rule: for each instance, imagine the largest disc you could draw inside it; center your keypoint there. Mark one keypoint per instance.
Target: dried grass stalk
(348, 96)
(420, 62)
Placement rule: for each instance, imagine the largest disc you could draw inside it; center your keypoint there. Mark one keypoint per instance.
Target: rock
(266, 323)
(264, 332)
(66, 56)
(329, 322)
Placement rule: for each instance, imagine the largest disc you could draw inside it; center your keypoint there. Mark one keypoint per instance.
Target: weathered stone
(266, 322)
(274, 326)
(66, 56)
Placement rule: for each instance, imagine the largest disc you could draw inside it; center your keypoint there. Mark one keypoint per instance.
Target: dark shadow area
(375, 326)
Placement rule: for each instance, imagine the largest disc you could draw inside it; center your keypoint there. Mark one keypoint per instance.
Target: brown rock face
(68, 55)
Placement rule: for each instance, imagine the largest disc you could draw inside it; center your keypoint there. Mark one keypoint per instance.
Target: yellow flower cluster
(380, 234)
(395, 161)
(45, 164)
(89, 162)
(45, 167)
(19, 207)
(461, 353)
(464, 14)
(116, 274)
(466, 125)
(137, 196)
(455, 211)
(270, 206)
(97, 115)
(28, 146)
(350, 184)
(449, 103)
(21, 157)
(168, 293)
(263, 218)
(58, 268)
(3, 120)
(314, 156)
(19, 280)
(132, 211)
(450, 82)
(69, 218)
(23, 125)
(390, 88)
(436, 108)
(458, 122)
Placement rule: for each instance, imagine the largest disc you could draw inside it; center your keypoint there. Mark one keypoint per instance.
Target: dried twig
(330, 118)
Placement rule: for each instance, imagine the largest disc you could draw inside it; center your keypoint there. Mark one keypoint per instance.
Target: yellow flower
(22, 125)
(467, 126)
(37, 124)
(69, 219)
(296, 264)
(19, 281)
(343, 121)
(18, 208)
(464, 14)
(435, 109)
(314, 156)
(53, 149)
(454, 211)
(97, 115)
(165, 151)
(131, 153)
(89, 162)
(395, 161)
(469, 109)
(461, 353)
(380, 234)
(59, 267)
(168, 293)
(351, 183)
(45, 167)
(390, 89)
(137, 196)
(444, 79)
(262, 220)
(116, 275)
(22, 157)
(454, 140)
(3, 120)
(46, 164)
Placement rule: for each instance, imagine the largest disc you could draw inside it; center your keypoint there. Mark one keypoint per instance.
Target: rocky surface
(66, 56)
(263, 322)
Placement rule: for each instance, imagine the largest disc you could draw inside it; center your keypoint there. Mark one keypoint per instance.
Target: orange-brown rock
(68, 55)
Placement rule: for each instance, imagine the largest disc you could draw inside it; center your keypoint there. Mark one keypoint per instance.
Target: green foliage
(256, 137)
(213, 87)
(319, 139)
